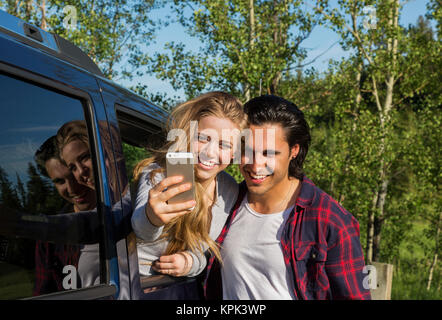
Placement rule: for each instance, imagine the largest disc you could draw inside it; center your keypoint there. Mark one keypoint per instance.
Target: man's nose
(259, 162)
(72, 186)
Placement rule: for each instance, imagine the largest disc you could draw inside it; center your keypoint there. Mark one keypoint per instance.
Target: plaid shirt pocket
(310, 268)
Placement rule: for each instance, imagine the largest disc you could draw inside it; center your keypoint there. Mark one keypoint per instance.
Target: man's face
(268, 167)
(82, 197)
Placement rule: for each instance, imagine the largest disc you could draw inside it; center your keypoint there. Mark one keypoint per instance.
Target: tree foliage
(112, 33)
(248, 45)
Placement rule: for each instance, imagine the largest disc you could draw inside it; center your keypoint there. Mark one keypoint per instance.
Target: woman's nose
(82, 170)
(212, 150)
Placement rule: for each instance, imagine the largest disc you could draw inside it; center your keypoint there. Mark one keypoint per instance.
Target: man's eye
(225, 146)
(248, 150)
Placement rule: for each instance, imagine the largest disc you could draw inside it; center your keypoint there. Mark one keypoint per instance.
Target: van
(65, 232)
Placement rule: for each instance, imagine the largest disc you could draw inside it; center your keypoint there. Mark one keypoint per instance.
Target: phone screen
(181, 164)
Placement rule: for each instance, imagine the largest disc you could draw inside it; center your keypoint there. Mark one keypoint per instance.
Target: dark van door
(58, 231)
(138, 127)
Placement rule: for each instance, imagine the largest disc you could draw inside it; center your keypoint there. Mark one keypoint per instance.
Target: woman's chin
(204, 173)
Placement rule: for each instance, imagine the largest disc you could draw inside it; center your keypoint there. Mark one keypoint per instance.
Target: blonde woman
(176, 235)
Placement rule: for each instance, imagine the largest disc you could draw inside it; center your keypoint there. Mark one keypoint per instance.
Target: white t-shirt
(253, 262)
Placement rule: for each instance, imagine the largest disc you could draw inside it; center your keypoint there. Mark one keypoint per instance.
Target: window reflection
(49, 229)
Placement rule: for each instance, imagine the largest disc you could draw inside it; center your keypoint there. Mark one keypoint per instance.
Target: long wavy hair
(191, 231)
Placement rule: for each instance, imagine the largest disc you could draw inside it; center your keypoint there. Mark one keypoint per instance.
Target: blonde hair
(70, 131)
(189, 231)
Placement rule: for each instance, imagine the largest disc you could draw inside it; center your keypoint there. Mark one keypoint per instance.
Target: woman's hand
(158, 211)
(177, 265)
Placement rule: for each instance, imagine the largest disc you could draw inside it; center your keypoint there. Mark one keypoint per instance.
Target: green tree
(112, 33)
(248, 46)
(8, 195)
(386, 64)
(38, 191)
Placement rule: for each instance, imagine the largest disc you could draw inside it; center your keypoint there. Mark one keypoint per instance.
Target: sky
(322, 41)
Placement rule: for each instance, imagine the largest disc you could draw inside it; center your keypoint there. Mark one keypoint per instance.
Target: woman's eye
(203, 138)
(85, 158)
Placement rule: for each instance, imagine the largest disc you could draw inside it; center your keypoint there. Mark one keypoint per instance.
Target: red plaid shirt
(50, 259)
(320, 245)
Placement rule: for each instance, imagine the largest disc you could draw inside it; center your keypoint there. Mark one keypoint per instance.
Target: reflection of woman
(74, 150)
(176, 232)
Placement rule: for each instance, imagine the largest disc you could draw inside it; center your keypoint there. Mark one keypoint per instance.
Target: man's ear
(294, 151)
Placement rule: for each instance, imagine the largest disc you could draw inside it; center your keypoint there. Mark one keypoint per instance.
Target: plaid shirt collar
(307, 193)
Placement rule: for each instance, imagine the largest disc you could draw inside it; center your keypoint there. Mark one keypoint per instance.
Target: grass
(15, 282)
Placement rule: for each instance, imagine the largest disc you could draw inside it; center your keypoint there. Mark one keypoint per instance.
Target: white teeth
(258, 177)
(208, 163)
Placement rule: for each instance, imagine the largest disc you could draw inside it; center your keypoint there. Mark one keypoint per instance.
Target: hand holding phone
(174, 195)
(181, 164)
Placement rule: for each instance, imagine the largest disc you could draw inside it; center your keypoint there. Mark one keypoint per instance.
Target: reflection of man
(51, 258)
(286, 238)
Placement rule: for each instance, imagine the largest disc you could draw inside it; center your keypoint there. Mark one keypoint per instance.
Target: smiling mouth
(80, 198)
(207, 164)
(258, 178)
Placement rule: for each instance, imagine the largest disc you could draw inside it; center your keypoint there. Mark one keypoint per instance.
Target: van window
(49, 229)
(138, 136)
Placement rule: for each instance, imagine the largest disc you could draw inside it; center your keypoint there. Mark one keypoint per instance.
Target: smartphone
(181, 164)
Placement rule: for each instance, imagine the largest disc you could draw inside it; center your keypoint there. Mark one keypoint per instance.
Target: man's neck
(279, 198)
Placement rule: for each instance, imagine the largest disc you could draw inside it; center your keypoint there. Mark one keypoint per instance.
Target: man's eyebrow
(271, 151)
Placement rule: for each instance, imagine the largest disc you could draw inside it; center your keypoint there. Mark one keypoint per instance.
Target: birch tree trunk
(384, 109)
(252, 35)
(43, 24)
(436, 251)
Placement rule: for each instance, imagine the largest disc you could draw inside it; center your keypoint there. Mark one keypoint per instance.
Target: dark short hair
(48, 150)
(276, 110)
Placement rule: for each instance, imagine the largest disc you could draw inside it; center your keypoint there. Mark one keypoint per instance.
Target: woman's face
(77, 156)
(215, 145)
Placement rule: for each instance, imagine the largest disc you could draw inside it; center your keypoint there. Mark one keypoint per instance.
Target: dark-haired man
(285, 238)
